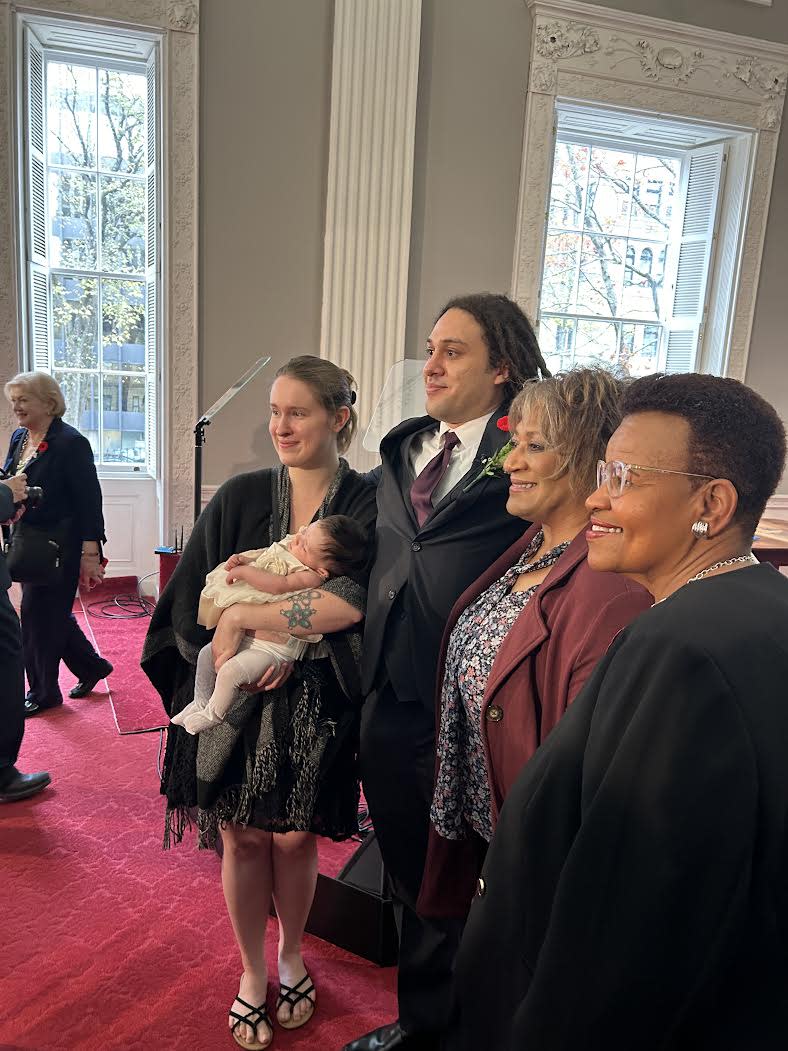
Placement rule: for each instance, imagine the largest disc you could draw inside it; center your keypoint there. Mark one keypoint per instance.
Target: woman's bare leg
(247, 881)
(295, 876)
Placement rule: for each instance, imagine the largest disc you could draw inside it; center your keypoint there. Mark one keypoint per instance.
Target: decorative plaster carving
(770, 81)
(660, 63)
(134, 12)
(770, 117)
(648, 69)
(543, 77)
(183, 15)
(565, 40)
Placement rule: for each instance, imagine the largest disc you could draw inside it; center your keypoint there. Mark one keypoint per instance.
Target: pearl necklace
(25, 460)
(710, 569)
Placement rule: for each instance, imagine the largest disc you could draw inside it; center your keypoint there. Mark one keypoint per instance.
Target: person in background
(283, 768)
(441, 521)
(59, 460)
(635, 893)
(13, 784)
(521, 642)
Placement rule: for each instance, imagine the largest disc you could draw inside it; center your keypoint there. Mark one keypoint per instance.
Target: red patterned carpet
(110, 942)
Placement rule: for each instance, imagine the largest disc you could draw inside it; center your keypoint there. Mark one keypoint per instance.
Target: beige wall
(262, 203)
(265, 83)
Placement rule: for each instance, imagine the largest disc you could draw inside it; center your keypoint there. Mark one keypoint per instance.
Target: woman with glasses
(635, 894)
(522, 640)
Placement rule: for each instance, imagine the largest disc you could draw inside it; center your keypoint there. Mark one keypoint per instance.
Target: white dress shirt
(426, 447)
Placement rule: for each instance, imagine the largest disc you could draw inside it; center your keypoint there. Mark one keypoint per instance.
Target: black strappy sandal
(253, 1017)
(294, 994)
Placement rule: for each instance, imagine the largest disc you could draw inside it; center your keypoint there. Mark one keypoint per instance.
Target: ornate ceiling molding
(178, 15)
(598, 55)
(716, 64)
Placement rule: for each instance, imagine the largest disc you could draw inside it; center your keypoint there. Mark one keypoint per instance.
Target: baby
(332, 546)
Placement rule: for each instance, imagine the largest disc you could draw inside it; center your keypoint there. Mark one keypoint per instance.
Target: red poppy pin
(42, 447)
(503, 424)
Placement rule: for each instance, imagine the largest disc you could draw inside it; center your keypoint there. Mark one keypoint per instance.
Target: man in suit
(439, 526)
(13, 785)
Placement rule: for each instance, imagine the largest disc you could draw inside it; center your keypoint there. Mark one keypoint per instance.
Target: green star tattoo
(300, 612)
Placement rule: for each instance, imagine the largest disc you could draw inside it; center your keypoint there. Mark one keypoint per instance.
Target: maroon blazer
(543, 663)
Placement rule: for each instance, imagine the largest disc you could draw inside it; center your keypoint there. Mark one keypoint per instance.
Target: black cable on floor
(123, 607)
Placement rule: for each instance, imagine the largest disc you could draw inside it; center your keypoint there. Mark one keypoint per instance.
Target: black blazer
(636, 887)
(419, 573)
(66, 472)
(6, 512)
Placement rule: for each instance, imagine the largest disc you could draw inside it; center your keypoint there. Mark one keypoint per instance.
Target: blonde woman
(58, 459)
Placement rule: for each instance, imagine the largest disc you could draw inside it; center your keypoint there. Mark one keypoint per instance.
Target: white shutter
(39, 303)
(151, 271)
(700, 185)
(40, 317)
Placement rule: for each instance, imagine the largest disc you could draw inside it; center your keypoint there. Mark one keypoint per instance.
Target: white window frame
(99, 51)
(684, 343)
(587, 54)
(176, 24)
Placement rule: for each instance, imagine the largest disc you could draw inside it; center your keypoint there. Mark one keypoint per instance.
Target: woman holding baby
(280, 766)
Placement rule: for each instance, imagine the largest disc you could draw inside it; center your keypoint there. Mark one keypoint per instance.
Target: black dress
(635, 892)
(284, 760)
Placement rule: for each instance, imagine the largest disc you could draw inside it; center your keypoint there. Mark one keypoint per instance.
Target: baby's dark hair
(347, 546)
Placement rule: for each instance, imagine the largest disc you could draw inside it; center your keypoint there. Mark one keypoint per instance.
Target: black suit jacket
(419, 572)
(66, 472)
(6, 512)
(636, 888)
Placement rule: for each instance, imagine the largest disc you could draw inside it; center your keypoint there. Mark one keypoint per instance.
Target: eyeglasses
(615, 474)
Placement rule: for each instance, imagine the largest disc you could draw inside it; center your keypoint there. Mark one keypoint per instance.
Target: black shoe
(86, 686)
(20, 786)
(388, 1037)
(34, 707)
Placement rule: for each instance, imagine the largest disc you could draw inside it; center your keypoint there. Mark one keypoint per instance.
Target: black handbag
(34, 554)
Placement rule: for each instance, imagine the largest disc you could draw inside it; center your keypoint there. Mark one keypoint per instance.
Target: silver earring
(700, 529)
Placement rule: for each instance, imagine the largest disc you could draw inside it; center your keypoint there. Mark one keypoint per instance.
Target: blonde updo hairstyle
(42, 386)
(333, 387)
(577, 410)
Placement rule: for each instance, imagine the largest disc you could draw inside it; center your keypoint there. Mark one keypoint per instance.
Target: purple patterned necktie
(422, 489)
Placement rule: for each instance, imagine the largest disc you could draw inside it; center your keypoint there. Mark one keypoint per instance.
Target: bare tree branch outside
(96, 172)
(603, 282)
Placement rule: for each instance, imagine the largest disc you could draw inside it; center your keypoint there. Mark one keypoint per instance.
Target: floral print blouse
(462, 799)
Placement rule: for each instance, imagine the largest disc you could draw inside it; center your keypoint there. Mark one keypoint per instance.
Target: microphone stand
(205, 421)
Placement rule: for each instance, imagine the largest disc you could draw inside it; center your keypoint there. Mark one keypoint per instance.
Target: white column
(370, 188)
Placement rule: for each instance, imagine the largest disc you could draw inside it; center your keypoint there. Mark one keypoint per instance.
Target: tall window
(627, 255)
(92, 243)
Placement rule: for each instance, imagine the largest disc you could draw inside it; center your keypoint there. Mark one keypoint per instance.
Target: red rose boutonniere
(494, 464)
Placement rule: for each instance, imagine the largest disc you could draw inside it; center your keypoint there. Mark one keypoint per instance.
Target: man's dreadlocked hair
(511, 342)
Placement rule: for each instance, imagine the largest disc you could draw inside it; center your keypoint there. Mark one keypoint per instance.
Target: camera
(35, 494)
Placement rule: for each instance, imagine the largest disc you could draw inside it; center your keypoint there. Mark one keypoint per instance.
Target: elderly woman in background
(59, 460)
(521, 642)
(636, 889)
